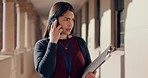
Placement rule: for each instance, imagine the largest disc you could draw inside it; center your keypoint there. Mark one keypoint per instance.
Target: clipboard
(99, 60)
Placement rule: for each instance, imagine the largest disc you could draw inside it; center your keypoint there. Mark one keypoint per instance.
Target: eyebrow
(69, 18)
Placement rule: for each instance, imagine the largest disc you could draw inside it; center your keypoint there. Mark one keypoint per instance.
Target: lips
(68, 29)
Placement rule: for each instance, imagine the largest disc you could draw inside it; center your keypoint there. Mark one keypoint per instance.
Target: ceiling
(43, 6)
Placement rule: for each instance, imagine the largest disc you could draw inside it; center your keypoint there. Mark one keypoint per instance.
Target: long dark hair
(57, 10)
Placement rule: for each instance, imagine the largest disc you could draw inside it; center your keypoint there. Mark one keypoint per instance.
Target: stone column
(8, 26)
(20, 25)
(28, 23)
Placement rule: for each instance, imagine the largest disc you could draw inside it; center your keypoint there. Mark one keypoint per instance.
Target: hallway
(122, 23)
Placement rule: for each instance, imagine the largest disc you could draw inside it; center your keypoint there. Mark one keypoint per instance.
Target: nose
(70, 23)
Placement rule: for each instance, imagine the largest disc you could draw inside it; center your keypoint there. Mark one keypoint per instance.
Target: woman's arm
(45, 58)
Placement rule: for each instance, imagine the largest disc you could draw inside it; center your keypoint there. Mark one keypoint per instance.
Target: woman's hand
(91, 75)
(55, 32)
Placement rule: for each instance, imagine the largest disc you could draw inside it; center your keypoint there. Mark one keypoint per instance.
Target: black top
(45, 56)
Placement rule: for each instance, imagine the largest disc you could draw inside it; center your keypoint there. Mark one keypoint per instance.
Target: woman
(60, 54)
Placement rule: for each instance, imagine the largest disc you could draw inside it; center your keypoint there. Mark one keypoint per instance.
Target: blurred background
(123, 23)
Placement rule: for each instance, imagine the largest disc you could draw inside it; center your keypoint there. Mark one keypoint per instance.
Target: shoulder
(42, 42)
(79, 39)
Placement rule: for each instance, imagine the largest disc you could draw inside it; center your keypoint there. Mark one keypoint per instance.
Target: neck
(63, 36)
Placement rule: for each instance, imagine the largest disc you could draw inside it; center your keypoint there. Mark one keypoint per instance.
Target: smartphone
(52, 20)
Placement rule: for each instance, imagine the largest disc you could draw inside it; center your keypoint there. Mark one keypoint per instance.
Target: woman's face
(67, 22)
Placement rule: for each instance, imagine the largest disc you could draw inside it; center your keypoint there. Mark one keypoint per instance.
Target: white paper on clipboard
(99, 60)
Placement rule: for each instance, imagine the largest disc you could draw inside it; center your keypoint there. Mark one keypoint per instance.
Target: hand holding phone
(55, 30)
(52, 20)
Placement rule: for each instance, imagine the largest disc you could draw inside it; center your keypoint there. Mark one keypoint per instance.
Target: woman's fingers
(60, 30)
(55, 28)
(94, 72)
(54, 25)
(59, 27)
(91, 75)
(55, 32)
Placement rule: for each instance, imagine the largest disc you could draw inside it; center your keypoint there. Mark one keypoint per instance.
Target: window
(120, 36)
(120, 23)
(97, 31)
(117, 30)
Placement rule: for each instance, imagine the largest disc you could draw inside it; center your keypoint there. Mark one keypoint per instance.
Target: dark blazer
(45, 56)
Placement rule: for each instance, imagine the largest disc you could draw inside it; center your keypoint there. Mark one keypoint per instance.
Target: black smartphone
(52, 20)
